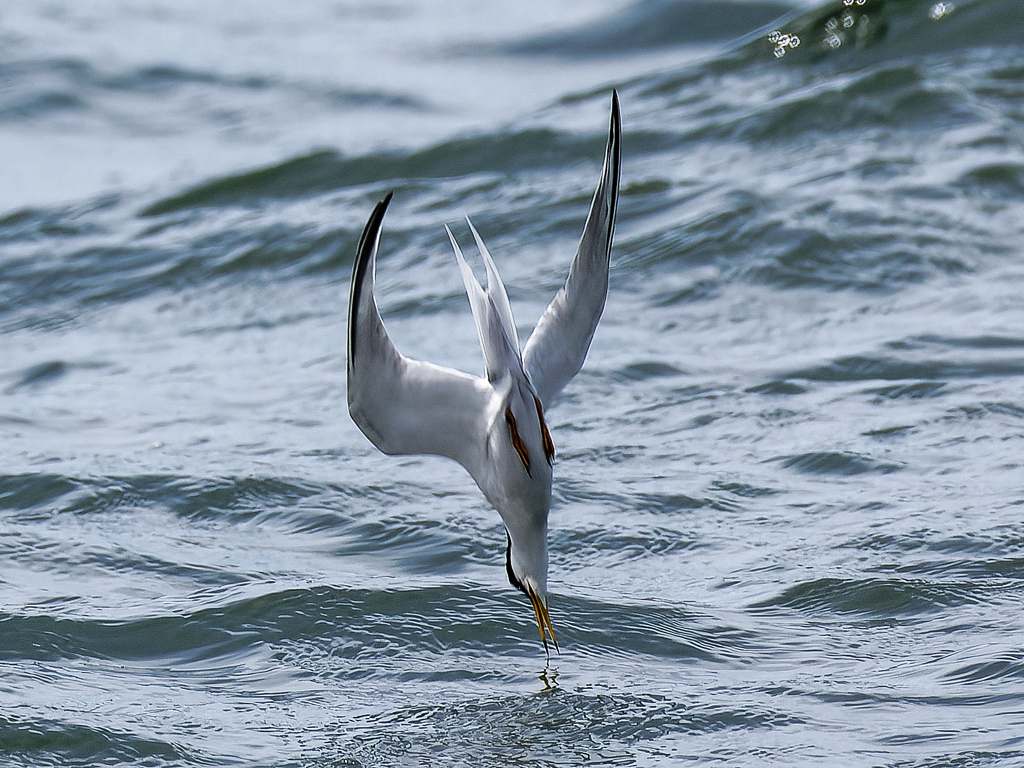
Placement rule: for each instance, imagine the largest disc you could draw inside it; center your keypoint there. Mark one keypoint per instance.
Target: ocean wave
(844, 36)
(832, 463)
(325, 171)
(236, 499)
(877, 597)
(59, 261)
(333, 632)
(40, 90)
(1007, 666)
(47, 742)
(652, 24)
(884, 368)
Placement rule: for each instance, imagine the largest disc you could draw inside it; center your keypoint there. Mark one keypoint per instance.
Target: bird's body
(493, 425)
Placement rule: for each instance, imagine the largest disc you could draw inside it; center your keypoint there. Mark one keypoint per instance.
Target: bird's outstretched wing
(407, 406)
(558, 346)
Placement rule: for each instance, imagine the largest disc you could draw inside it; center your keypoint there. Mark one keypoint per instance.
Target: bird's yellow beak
(540, 611)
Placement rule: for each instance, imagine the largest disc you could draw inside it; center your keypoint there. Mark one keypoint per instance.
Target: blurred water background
(789, 493)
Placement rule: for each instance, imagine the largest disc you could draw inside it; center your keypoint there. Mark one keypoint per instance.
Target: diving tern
(492, 425)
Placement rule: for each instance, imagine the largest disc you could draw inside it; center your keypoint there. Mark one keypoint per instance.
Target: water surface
(788, 491)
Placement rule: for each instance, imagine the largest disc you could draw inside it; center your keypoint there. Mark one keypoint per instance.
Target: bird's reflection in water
(549, 676)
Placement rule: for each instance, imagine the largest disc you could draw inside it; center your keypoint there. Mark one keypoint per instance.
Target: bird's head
(530, 578)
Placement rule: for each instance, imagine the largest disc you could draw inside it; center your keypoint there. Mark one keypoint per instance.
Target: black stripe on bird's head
(512, 578)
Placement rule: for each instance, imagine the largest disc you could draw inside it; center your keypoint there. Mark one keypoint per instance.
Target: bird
(493, 425)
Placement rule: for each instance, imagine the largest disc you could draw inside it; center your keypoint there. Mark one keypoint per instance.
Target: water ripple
(549, 728)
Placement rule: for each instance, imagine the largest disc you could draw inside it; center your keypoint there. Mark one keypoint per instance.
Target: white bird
(493, 426)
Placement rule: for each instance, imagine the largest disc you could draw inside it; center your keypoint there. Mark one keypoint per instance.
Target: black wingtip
(614, 161)
(364, 253)
(615, 126)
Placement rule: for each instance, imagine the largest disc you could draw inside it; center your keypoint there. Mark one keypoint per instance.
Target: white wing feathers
(491, 313)
(558, 346)
(496, 290)
(406, 406)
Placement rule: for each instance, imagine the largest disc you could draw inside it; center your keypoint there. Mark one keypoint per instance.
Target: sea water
(788, 520)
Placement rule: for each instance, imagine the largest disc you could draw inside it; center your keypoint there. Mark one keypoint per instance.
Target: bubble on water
(782, 42)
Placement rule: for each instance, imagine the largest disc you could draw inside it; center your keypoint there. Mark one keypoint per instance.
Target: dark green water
(789, 494)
